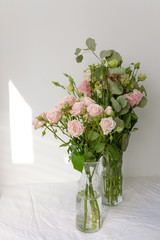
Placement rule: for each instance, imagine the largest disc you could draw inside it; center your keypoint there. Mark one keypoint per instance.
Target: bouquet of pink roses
(98, 116)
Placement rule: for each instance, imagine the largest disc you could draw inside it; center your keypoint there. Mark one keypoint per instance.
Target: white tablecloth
(47, 212)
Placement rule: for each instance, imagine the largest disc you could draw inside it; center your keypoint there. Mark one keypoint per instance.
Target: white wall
(37, 43)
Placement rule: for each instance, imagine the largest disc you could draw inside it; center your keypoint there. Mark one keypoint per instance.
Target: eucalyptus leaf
(122, 101)
(116, 105)
(117, 70)
(114, 87)
(125, 110)
(79, 58)
(127, 120)
(78, 50)
(93, 135)
(78, 161)
(143, 102)
(105, 53)
(90, 42)
(124, 141)
(100, 147)
(119, 123)
(115, 55)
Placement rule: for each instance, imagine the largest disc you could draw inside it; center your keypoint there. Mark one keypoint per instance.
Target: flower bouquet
(98, 118)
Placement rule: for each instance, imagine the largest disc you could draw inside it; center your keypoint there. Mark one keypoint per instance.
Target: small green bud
(128, 71)
(69, 87)
(66, 105)
(111, 138)
(39, 118)
(137, 65)
(70, 79)
(132, 85)
(119, 130)
(126, 82)
(103, 61)
(112, 63)
(101, 76)
(142, 77)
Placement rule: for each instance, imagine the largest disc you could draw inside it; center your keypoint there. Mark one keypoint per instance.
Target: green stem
(85, 208)
(55, 134)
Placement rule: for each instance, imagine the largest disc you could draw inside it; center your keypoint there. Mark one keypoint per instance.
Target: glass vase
(112, 180)
(89, 199)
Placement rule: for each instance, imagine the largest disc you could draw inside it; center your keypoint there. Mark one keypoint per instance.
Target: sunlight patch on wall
(20, 127)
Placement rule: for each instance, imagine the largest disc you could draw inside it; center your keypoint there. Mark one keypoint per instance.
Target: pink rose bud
(95, 110)
(108, 110)
(54, 115)
(107, 125)
(37, 123)
(68, 99)
(75, 128)
(77, 108)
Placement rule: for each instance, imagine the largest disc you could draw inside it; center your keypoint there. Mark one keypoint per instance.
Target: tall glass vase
(112, 180)
(89, 199)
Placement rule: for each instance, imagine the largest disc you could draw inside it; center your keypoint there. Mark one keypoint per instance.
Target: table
(47, 212)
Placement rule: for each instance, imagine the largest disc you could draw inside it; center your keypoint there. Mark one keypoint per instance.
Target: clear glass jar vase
(112, 180)
(89, 199)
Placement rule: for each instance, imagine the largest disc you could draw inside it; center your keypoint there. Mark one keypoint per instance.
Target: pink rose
(87, 100)
(85, 88)
(75, 128)
(54, 115)
(68, 99)
(107, 125)
(37, 124)
(95, 110)
(87, 75)
(77, 108)
(134, 98)
(108, 110)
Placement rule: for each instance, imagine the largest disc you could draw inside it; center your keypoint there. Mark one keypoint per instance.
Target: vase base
(112, 203)
(88, 230)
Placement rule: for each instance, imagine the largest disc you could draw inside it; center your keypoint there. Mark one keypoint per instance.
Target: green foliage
(142, 77)
(119, 123)
(122, 101)
(113, 151)
(78, 161)
(105, 53)
(115, 55)
(116, 104)
(40, 118)
(142, 103)
(124, 141)
(114, 87)
(90, 42)
(117, 70)
(79, 58)
(78, 50)
(100, 147)
(58, 85)
(92, 135)
(124, 110)
(112, 63)
(127, 120)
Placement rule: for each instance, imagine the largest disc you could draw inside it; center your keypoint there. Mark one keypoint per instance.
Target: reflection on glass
(20, 127)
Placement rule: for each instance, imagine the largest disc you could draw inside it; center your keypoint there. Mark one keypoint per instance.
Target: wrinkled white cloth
(47, 212)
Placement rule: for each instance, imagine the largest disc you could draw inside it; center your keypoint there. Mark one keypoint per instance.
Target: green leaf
(78, 161)
(90, 42)
(125, 110)
(116, 105)
(105, 53)
(117, 70)
(119, 123)
(143, 102)
(92, 135)
(115, 55)
(100, 147)
(114, 87)
(78, 50)
(113, 151)
(134, 116)
(122, 101)
(134, 129)
(142, 89)
(43, 133)
(127, 120)
(124, 141)
(64, 144)
(79, 58)
(58, 85)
